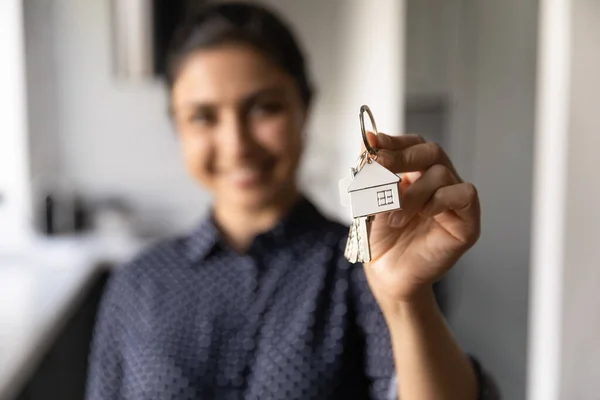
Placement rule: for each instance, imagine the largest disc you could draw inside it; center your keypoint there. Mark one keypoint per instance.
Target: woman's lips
(245, 177)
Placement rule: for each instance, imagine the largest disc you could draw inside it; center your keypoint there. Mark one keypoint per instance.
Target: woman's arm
(412, 248)
(429, 363)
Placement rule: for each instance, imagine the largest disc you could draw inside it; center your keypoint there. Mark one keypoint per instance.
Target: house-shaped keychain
(373, 190)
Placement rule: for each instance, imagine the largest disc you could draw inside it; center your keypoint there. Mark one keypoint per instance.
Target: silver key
(351, 251)
(364, 246)
(358, 247)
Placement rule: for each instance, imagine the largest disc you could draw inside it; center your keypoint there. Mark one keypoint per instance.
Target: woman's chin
(249, 198)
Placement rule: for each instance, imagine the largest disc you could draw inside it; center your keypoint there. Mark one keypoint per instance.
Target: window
(385, 198)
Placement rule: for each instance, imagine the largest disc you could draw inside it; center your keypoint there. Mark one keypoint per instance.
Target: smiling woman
(239, 99)
(258, 302)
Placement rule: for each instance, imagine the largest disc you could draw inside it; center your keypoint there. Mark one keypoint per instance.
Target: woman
(259, 302)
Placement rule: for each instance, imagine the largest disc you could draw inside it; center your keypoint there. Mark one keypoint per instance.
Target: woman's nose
(235, 138)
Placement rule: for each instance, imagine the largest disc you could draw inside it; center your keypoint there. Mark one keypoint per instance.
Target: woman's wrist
(419, 303)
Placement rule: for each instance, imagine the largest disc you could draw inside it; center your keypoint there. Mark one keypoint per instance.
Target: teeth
(244, 174)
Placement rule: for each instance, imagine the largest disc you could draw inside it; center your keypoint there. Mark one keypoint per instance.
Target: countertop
(41, 285)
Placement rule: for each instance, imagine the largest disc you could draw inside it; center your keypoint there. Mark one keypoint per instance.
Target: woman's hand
(440, 220)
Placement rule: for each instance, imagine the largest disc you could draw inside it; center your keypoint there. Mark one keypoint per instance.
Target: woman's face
(240, 119)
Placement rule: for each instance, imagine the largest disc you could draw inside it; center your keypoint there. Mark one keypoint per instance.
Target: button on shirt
(288, 319)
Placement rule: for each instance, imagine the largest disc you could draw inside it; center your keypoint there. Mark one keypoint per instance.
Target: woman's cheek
(278, 137)
(198, 160)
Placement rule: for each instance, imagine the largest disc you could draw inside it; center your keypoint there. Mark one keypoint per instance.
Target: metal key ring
(372, 151)
(361, 160)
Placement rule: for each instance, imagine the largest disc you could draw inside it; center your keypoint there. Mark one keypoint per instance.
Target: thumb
(372, 138)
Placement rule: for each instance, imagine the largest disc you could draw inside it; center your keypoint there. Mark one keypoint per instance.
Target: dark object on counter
(80, 215)
(49, 209)
(63, 214)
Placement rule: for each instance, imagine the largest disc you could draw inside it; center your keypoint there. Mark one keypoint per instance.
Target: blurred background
(91, 171)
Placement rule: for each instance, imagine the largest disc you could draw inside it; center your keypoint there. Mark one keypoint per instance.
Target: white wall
(427, 47)
(565, 329)
(580, 350)
(114, 136)
(479, 58)
(42, 105)
(93, 134)
(548, 233)
(493, 110)
(15, 212)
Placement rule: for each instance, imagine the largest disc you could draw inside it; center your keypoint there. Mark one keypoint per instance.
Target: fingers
(461, 198)
(384, 141)
(372, 138)
(418, 157)
(417, 195)
(388, 142)
(431, 186)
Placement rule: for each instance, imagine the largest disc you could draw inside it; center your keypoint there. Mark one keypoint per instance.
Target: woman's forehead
(227, 73)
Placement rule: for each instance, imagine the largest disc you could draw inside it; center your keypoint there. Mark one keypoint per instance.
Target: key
(351, 252)
(358, 247)
(364, 230)
(353, 245)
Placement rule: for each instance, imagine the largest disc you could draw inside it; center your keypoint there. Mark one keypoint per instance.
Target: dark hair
(237, 22)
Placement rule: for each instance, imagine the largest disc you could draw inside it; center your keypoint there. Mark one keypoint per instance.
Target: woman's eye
(266, 109)
(203, 118)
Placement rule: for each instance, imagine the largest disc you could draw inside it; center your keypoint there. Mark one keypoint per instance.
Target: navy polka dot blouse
(289, 319)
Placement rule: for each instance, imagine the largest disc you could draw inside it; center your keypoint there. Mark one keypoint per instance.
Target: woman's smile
(242, 177)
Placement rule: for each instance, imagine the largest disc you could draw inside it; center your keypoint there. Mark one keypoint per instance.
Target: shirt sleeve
(105, 363)
(488, 389)
(378, 356)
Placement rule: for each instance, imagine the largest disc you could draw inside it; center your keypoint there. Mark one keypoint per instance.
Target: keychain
(370, 189)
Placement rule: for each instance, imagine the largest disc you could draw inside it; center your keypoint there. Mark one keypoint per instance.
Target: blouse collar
(303, 217)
